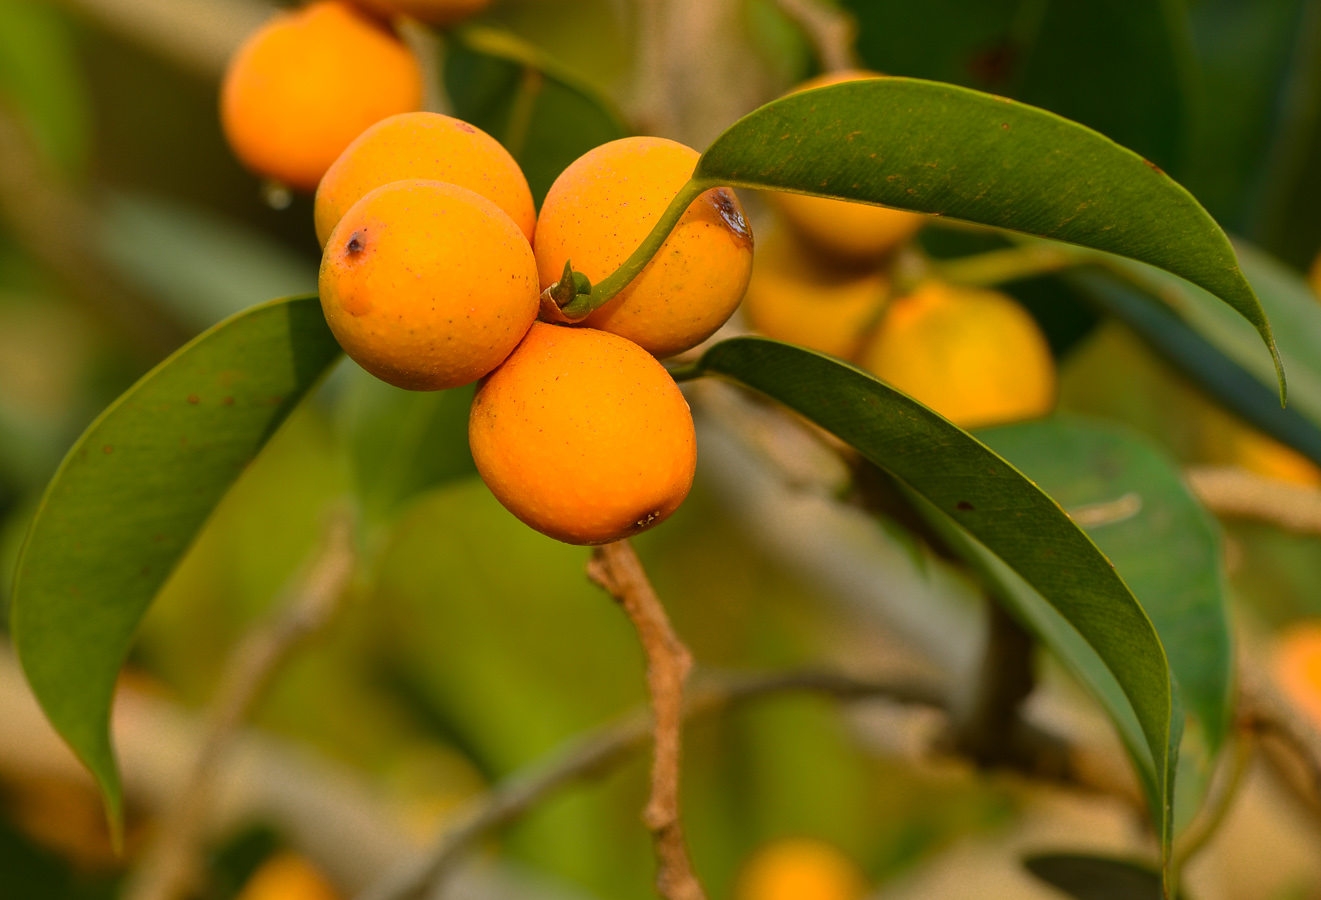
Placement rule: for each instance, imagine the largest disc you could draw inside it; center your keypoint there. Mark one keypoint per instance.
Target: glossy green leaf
(1087, 877)
(986, 496)
(545, 117)
(403, 443)
(129, 498)
(949, 151)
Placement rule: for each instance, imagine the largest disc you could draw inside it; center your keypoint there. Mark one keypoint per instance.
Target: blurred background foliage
(473, 645)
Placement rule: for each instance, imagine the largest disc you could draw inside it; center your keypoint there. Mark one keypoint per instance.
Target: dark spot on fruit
(464, 126)
(964, 505)
(731, 214)
(357, 243)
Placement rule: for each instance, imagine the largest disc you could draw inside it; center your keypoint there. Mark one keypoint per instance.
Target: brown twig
(170, 866)
(612, 744)
(987, 730)
(1235, 492)
(617, 569)
(831, 31)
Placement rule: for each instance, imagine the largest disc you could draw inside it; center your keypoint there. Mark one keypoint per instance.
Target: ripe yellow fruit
(799, 869)
(851, 231)
(305, 84)
(427, 285)
(437, 12)
(287, 876)
(583, 436)
(1296, 665)
(602, 206)
(429, 146)
(974, 356)
(793, 298)
(1258, 453)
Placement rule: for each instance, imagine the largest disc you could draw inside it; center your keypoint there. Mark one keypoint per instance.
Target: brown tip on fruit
(732, 214)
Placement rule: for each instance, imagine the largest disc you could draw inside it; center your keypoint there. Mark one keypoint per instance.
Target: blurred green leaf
(1123, 67)
(1132, 501)
(40, 78)
(403, 442)
(987, 496)
(204, 267)
(1240, 377)
(1096, 877)
(954, 152)
(544, 116)
(131, 494)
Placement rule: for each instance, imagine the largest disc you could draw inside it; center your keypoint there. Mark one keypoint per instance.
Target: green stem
(1000, 266)
(605, 291)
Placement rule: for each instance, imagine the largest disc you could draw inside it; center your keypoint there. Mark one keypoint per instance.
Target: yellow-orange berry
(1297, 668)
(437, 12)
(602, 206)
(305, 84)
(428, 285)
(583, 435)
(974, 356)
(793, 298)
(287, 876)
(853, 231)
(429, 146)
(1266, 456)
(799, 869)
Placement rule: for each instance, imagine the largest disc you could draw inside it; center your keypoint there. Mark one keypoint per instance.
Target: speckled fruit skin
(974, 356)
(437, 12)
(427, 285)
(602, 206)
(429, 146)
(305, 84)
(794, 298)
(583, 436)
(854, 232)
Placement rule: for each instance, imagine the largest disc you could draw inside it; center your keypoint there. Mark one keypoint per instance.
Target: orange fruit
(799, 869)
(437, 12)
(1266, 456)
(287, 876)
(430, 146)
(583, 436)
(793, 298)
(974, 356)
(427, 285)
(1296, 665)
(852, 231)
(602, 206)
(306, 83)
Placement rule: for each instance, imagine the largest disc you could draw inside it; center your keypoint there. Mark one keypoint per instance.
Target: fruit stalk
(616, 568)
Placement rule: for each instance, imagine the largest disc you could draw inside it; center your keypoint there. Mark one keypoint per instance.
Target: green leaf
(1088, 877)
(949, 151)
(130, 496)
(989, 498)
(403, 443)
(41, 80)
(544, 116)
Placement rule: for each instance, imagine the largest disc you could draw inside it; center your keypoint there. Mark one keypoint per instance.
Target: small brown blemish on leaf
(1004, 125)
(107, 449)
(194, 399)
(228, 401)
(1155, 168)
(964, 505)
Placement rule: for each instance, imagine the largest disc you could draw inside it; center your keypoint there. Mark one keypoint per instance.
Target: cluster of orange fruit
(433, 268)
